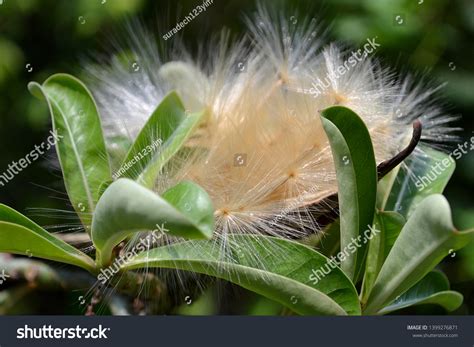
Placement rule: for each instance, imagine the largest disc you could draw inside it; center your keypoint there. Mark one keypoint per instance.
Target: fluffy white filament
(266, 158)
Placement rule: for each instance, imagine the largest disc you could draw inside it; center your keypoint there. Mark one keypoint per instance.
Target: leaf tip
(36, 90)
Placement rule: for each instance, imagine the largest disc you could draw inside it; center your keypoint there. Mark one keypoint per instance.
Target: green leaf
(389, 225)
(419, 179)
(385, 185)
(81, 147)
(427, 237)
(432, 289)
(20, 235)
(356, 177)
(103, 187)
(161, 138)
(278, 269)
(127, 207)
(8, 214)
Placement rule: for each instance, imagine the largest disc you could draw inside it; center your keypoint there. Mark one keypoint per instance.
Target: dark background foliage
(41, 37)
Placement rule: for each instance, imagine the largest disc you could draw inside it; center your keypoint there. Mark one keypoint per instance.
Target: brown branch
(382, 169)
(388, 165)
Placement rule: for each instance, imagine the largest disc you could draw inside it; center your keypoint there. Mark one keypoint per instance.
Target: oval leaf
(427, 237)
(432, 289)
(416, 181)
(356, 172)
(275, 268)
(127, 207)
(81, 146)
(389, 225)
(20, 235)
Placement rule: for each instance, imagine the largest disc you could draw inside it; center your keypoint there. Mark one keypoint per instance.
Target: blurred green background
(41, 37)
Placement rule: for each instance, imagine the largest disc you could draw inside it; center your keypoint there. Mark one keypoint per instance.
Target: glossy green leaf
(8, 214)
(127, 207)
(356, 172)
(80, 147)
(278, 269)
(20, 235)
(103, 187)
(384, 187)
(427, 237)
(161, 138)
(389, 225)
(421, 178)
(432, 289)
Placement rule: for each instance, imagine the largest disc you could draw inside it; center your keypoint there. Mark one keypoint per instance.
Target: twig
(382, 169)
(388, 165)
